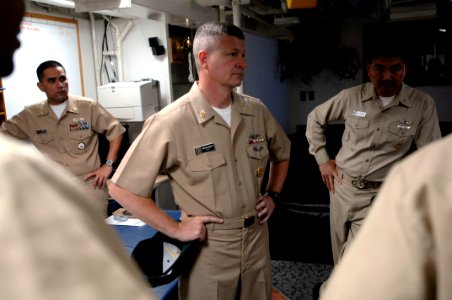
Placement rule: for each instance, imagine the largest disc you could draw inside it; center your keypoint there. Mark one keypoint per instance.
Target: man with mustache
(382, 120)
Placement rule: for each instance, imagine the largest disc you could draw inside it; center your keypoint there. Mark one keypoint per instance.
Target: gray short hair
(207, 36)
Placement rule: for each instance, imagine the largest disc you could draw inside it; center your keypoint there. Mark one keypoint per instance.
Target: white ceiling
(271, 17)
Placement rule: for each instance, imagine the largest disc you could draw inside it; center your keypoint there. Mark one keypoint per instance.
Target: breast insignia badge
(260, 172)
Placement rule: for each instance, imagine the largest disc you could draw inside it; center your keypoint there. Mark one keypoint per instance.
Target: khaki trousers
(348, 208)
(232, 264)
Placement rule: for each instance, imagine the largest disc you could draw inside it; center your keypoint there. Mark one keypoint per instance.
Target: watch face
(109, 163)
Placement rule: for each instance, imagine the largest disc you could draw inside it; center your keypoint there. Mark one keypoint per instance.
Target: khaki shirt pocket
(358, 130)
(45, 139)
(78, 141)
(402, 133)
(257, 151)
(258, 156)
(202, 167)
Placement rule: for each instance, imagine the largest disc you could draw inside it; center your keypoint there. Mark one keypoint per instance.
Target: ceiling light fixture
(89, 5)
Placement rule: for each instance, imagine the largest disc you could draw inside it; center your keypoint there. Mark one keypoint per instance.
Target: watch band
(274, 195)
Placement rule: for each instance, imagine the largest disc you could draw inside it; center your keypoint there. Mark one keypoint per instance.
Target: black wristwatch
(274, 195)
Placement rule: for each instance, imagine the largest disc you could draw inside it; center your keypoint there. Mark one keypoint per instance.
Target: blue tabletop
(132, 235)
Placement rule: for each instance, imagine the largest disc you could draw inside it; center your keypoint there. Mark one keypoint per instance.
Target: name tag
(204, 148)
(41, 131)
(360, 114)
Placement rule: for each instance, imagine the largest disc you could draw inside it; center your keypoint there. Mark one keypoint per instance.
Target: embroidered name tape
(204, 148)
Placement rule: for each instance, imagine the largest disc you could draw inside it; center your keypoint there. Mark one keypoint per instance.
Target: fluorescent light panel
(101, 3)
(61, 3)
(96, 5)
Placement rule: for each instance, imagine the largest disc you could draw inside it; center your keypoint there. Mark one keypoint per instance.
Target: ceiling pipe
(94, 44)
(120, 35)
(236, 16)
(236, 19)
(222, 13)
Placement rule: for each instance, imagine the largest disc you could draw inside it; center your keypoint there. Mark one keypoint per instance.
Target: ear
(202, 56)
(39, 84)
(368, 69)
(404, 71)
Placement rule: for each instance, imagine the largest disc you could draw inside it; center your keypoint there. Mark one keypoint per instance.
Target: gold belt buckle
(359, 183)
(248, 221)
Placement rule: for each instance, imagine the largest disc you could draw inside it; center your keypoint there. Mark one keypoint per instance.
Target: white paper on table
(129, 222)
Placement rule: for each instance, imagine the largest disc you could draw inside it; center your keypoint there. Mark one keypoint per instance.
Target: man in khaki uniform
(66, 127)
(214, 144)
(403, 250)
(55, 243)
(382, 120)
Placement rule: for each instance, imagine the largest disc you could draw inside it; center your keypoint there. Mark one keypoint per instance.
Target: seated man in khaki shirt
(66, 128)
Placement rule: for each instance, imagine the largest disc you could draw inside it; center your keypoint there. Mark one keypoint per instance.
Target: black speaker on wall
(153, 42)
(159, 50)
(156, 48)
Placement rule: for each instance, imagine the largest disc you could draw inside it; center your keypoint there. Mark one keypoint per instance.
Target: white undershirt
(386, 100)
(225, 113)
(59, 108)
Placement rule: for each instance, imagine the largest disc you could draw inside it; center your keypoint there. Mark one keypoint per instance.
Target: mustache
(387, 82)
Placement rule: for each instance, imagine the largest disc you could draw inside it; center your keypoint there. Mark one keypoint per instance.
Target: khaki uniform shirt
(404, 248)
(214, 169)
(54, 241)
(71, 140)
(375, 136)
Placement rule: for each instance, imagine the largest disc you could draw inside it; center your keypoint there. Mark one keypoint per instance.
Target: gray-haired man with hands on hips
(214, 144)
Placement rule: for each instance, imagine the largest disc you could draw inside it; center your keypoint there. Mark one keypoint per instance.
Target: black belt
(244, 221)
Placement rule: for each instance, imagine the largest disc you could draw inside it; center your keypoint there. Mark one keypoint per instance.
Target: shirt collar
(204, 111)
(368, 93)
(200, 105)
(71, 106)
